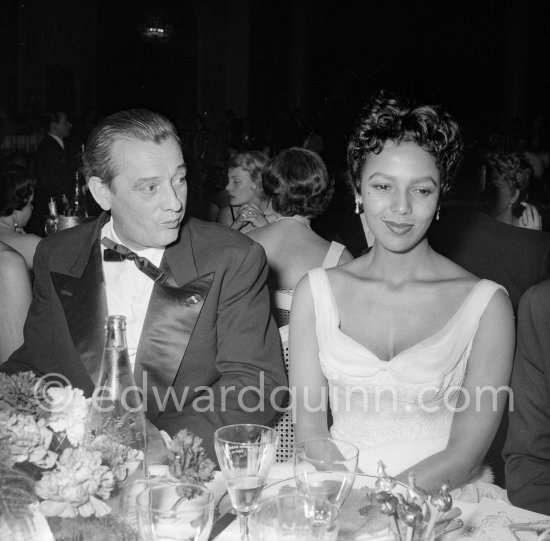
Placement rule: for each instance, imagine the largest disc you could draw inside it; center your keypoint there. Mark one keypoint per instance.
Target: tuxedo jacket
(199, 347)
(527, 449)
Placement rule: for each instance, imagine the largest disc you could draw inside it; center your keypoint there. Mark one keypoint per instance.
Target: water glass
(245, 453)
(325, 468)
(294, 517)
(173, 511)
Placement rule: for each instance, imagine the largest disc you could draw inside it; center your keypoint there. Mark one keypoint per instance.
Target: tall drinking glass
(294, 517)
(245, 454)
(173, 511)
(325, 468)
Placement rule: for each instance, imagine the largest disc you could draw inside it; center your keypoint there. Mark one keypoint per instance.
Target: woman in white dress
(410, 348)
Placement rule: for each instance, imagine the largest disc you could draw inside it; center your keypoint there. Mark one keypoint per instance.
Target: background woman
(507, 178)
(402, 338)
(299, 188)
(248, 206)
(16, 195)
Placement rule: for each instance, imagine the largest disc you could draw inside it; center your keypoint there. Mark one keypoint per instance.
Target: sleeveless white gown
(395, 410)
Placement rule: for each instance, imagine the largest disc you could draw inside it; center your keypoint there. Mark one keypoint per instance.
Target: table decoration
(414, 515)
(48, 467)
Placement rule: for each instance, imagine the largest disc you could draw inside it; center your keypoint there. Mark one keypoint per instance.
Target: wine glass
(295, 517)
(245, 453)
(325, 468)
(174, 511)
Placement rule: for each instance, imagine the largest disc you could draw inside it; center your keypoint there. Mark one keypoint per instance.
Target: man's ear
(515, 195)
(100, 192)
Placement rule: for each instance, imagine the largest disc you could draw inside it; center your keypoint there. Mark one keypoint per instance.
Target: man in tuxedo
(53, 167)
(200, 335)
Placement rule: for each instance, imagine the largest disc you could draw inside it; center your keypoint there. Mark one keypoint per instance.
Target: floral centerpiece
(46, 462)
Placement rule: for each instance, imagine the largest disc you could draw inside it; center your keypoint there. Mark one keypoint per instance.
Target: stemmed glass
(295, 517)
(325, 468)
(173, 511)
(245, 453)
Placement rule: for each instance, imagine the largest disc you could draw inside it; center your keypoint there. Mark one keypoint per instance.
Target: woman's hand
(530, 217)
(249, 213)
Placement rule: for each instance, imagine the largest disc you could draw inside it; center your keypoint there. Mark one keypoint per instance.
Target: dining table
(230, 530)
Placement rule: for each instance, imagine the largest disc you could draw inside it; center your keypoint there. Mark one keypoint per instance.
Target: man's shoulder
(537, 297)
(67, 241)
(213, 236)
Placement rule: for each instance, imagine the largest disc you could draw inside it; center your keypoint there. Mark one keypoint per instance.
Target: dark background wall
(485, 59)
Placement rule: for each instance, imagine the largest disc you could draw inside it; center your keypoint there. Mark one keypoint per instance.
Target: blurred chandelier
(155, 26)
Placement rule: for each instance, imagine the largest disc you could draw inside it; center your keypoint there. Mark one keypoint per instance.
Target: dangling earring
(437, 213)
(15, 224)
(358, 204)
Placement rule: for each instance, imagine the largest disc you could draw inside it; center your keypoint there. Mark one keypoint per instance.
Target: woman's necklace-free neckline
(297, 218)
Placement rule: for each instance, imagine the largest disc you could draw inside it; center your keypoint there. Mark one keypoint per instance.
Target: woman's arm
(486, 388)
(225, 217)
(309, 387)
(15, 298)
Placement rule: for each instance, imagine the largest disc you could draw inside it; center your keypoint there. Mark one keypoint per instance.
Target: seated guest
(507, 178)
(248, 206)
(299, 188)
(200, 335)
(527, 452)
(15, 298)
(16, 197)
(401, 338)
(515, 257)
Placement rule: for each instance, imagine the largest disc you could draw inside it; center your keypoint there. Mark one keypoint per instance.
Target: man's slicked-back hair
(132, 124)
(391, 119)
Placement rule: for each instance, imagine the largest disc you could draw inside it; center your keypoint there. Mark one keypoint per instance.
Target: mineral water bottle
(116, 414)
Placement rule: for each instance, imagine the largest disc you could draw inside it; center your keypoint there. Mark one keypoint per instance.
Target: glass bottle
(52, 220)
(79, 203)
(116, 413)
(66, 205)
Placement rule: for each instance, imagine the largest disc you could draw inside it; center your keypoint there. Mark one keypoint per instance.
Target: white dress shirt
(128, 289)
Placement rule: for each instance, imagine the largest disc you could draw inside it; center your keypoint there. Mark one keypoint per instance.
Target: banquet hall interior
(267, 75)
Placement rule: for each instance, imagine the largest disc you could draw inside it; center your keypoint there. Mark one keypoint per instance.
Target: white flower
(27, 439)
(68, 409)
(75, 485)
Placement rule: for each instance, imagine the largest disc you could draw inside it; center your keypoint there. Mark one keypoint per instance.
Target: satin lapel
(85, 305)
(171, 317)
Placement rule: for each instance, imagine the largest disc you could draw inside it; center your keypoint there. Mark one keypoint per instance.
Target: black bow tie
(118, 252)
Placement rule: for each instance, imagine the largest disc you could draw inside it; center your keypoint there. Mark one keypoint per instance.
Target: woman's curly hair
(511, 170)
(385, 119)
(16, 189)
(297, 182)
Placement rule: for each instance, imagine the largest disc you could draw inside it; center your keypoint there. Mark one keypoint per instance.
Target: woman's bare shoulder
(225, 216)
(11, 261)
